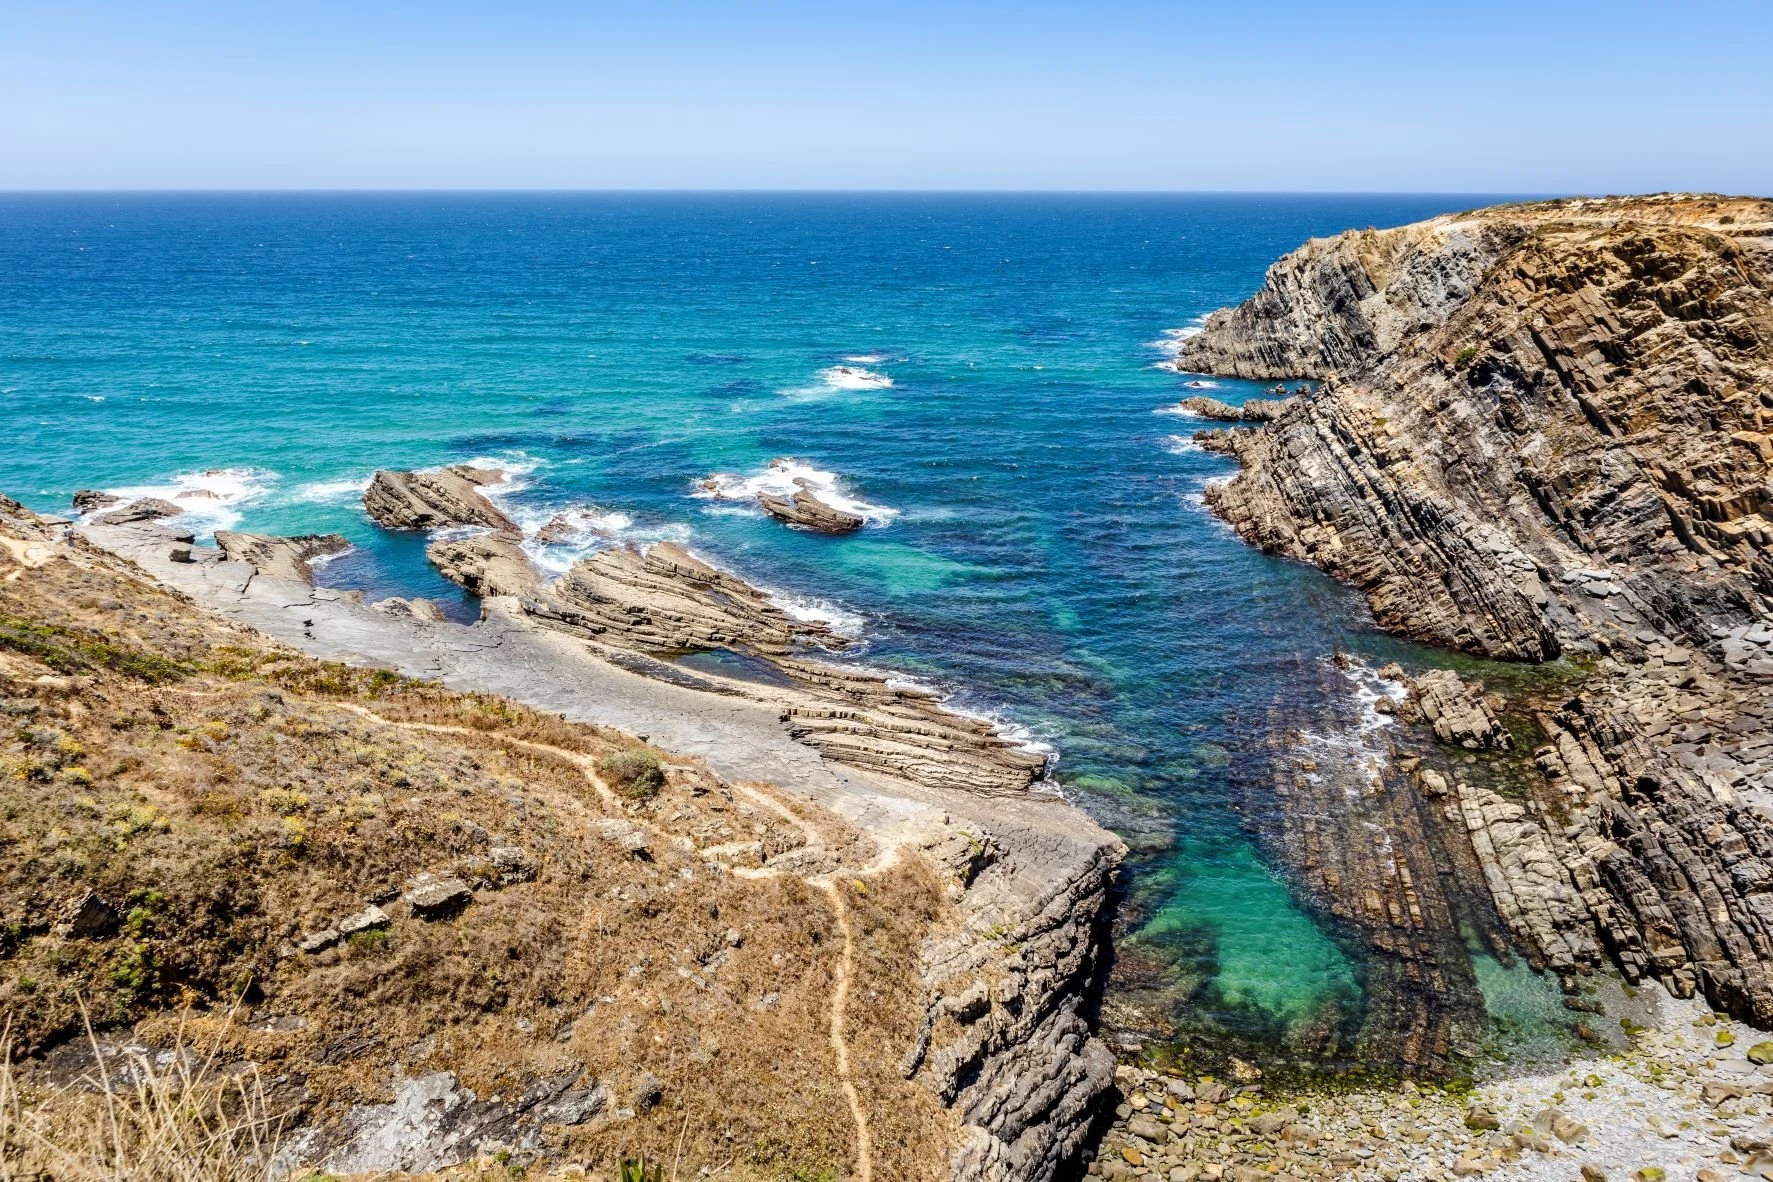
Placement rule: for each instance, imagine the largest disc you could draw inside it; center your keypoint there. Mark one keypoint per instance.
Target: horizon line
(811, 191)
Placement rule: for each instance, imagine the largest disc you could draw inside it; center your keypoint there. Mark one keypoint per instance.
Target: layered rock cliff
(1543, 430)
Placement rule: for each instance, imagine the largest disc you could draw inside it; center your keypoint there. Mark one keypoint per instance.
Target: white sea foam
(811, 610)
(866, 359)
(1201, 384)
(854, 377)
(783, 477)
(1179, 445)
(582, 531)
(320, 492)
(211, 499)
(1172, 340)
(1176, 409)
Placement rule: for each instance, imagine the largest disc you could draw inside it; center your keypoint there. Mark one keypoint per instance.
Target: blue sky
(1496, 97)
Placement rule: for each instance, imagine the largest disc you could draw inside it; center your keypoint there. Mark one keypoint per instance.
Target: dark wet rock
(88, 500)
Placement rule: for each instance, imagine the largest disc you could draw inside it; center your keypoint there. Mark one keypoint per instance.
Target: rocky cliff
(1543, 430)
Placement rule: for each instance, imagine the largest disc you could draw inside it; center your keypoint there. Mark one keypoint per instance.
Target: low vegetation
(186, 811)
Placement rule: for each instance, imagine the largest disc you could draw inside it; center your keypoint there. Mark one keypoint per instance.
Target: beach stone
(1480, 1120)
(1649, 1174)
(1593, 1173)
(1760, 1053)
(1148, 1128)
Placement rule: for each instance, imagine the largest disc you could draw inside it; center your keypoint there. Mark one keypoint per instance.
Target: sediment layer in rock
(809, 512)
(1253, 410)
(434, 500)
(1543, 430)
(279, 557)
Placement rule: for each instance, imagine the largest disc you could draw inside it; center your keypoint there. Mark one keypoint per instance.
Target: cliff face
(1544, 429)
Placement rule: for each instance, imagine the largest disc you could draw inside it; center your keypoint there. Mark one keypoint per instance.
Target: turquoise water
(1039, 543)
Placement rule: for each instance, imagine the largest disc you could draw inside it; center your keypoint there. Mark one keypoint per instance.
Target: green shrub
(1464, 357)
(68, 651)
(635, 773)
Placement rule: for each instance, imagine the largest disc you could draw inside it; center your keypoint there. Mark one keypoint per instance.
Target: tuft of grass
(1465, 356)
(635, 773)
(69, 651)
(186, 1120)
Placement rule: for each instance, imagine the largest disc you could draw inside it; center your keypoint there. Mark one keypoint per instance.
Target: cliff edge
(1544, 431)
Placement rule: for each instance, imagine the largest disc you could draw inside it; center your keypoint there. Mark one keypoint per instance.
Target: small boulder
(1649, 1174)
(146, 509)
(87, 500)
(318, 942)
(1148, 1128)
(1761, 1053)
(648, 1091)
(1593, 1173)
(431, 897)
(371, 918)
(87, 917)
(1481, 1120)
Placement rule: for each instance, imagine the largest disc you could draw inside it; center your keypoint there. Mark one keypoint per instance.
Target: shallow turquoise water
(1043, 549)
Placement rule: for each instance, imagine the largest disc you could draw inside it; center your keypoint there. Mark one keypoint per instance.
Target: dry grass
(229, 811)
(171, 1118)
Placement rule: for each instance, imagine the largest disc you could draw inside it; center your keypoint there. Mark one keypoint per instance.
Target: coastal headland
(1541, 435)
(953, 909)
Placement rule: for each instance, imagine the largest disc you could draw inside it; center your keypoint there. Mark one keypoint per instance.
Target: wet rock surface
(806, 510)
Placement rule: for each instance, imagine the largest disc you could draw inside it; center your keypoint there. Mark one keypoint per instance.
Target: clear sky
(1507, 96)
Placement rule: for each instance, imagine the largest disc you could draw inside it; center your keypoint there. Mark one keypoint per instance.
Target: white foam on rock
(781, 478)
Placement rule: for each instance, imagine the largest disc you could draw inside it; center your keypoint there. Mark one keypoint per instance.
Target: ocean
(978, 372)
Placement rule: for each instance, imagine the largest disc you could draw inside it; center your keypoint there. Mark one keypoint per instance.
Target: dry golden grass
(173, 1118)
(227, 797)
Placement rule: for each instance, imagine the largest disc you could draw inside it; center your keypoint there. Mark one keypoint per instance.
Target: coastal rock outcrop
(806, 510)
(435, 499)
(145, 509)
(980, 1064)
(279, 557)
(1542, 431)
(1253, 410)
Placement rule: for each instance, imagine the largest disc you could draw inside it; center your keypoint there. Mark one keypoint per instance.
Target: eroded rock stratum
(1543, 432)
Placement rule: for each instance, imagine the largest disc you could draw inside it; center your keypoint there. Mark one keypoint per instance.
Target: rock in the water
(145, 509)
(279, 557)
(1253, 410)
(435, 500)
(88, 500)
(808, 511)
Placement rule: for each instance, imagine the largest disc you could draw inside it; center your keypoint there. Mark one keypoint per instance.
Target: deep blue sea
(979, 370)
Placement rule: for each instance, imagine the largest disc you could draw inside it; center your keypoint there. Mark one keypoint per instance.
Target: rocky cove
(1599, 818)
(1541, 435)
